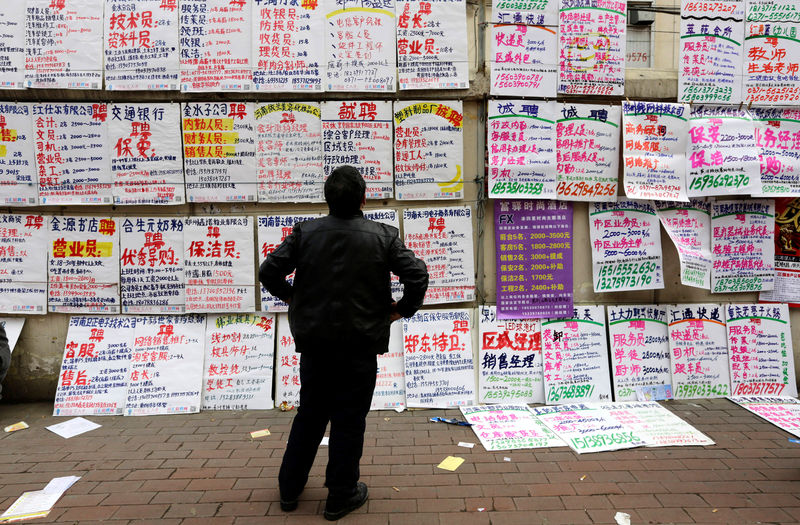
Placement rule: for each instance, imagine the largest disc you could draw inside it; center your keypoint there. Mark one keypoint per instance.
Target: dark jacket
(342, 285)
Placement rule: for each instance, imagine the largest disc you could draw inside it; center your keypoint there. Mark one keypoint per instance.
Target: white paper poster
(72, 156)
(528, 12)
(588, 428)
(698, 351)
(289, 152)
(742, 246)
(760, 349)
(94, 370)
(287, 46)
(429, 150)
(711, 47)
(64, 44)
(360, 45)
(772, 63)
(166, 372)
(237, 369)
(689, 227)
(442, 237)
(777, 135)
(639, 340)
(272, 230)
(359, 134)
(13, 327)
(656, 425)
(215, 45)
(392, 218)
(152, 276)
(522, 60)
(18, 180)
(145, 151)
(626, 246)
(219, 152)
(783, 412)
(390, 383)
(12, 48)
(773, 10)
(722, 157)
(575, 356)
(439, 367)
(431, 47)
(522, 149)
(218, 259)
(510, 359)
(654, 150)
(83, 265)
(23, 265)
(509, 427)
(141, 45)
(287, 367)
(587, 152)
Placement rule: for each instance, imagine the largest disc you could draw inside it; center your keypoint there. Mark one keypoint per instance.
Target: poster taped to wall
(12, 55)
(522, 60)
(777, 132)
(23, 268)
(689, 227)
(787, 254)
(19, 183)
(390, 383)
(287, 367)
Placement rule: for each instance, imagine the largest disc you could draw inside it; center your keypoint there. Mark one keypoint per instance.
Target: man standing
(340, 309)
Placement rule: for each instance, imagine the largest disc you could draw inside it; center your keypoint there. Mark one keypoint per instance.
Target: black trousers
(336, 386)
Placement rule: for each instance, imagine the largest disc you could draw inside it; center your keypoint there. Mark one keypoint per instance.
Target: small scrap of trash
(450, 421)
(396, 489)
(506, 458)
(259, 433)
(16, 426)
(451, 463)
(285, 406)
(465, 444)
(791, 440)
(481, 509)
(583, 477)
(623, 518)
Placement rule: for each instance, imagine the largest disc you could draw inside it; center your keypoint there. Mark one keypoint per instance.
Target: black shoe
(288, 505)
(335, 510)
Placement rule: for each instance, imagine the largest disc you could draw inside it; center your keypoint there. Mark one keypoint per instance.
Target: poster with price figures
(656, 425)
(145, 151)
(439, 368)
(626, 246)
(742, 246)
(588, 428)
(360, 45)
(64, 44)
(215, 45)
(272, 230)
(522, 149)
(773, 11)
(510, 359)
(71, 144)
(152, 276)
(522, 60)
(392, 218)
(218, 258)
(287, 367)
(18, 177)
(777, 134)
(289, 152)
(390, 383)
(783, 412)
(94, 370)
(639, 349)
(509, 427)
(83, 265)
(760, 349)
(237, 369)
(429, 150)
(689, 227)
(166, 372)
(288, 42)
(575, 355)
(711, 52)
(787, 254)
(219, 152)
(359, 134)
(527, 12)
(722, 155)
(654, 150)
(772, 63)
(587, 152)
(442, 237)
(23, 267)
(12, 49)
(431, 53)
(698, 345)
(141, 45)
(591, 47)
(533, 249)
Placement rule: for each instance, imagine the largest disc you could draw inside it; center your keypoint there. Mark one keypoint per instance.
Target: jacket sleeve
(413, 274)
(278, 265)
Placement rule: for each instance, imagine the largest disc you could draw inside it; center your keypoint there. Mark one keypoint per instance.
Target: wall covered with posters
(213, 170)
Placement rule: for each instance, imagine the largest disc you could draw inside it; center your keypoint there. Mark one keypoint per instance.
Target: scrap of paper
(16, 426)
(324, 442)
(451, 463)
(465, 444)
(38, 503)
(259, 433)
(73, 427)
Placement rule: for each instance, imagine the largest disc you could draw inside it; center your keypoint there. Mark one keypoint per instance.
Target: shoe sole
(333, 516)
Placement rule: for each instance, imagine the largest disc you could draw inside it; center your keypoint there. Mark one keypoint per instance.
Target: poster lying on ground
(509, 427)
(588, 428)
(656, 425)
(783, 412)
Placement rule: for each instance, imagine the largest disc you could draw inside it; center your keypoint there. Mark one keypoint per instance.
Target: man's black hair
(344, 191)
